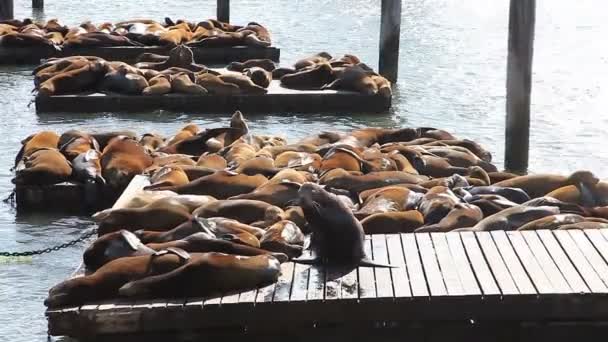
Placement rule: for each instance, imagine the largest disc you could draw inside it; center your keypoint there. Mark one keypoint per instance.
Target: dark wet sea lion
(44, 167)
(512, 194)
(86, 168)
(112, 246)
(313, 78)
(553, 222)
(392, 222)
(242, 210)
(539, 185)
(338, 236)
(513, 218)
(123, 82)
(259, 76)
(265, 64)
(490, 204)
(461, 216)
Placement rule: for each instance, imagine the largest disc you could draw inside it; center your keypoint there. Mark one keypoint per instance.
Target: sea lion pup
(74, 81)
(221, 185)
(388, 199)
(539, 185)
(341, 179)
(337, 236)
(437, 203)
(35, 142)
(167, 176)
(44, 167)
(265, 64)
(461, 216)
(150, 218)
(243, 210)
(245, 84)
(207, 274)
(105, 282)
(123, 159)
(185, 132)
(123, 82)
(284, 237)
(312, 60)
(392, 222)
(213, 161)
(280, 194)
(512, 218)
(112, 246)
(314, 78)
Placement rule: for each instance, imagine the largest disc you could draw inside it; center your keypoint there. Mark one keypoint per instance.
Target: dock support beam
(522, 17)
(38, 4)
(6, 9)
(390, 26)
(223, 10)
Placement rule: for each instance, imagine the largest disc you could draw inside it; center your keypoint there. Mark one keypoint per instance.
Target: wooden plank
(213, 301)
(401, 282)
(349, 285)
(562, 261)
(282, 290)
(384, 283)
(431, 267)
(223, 10)
(231, 298)
(522, 17)
(478, 262)
(278, 99)
(591, 278)
(299, 287)
(598, 240)
(414, 265)
(595, 259)
(522, 281)
(367, 283)
(604, 232)
(535, 272)
(559, 283)
(462, 265)
(390, 26)
(497, 264)
(333, 285)
(447, 265)
(316, 283)
(248, 297)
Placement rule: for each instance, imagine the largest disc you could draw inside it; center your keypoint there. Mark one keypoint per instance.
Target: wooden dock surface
(530, 276)
(215, 55)
(278, 99)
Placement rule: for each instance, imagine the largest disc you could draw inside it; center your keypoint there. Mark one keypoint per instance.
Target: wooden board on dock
(447, 277)
(209, 55)
(278, 99)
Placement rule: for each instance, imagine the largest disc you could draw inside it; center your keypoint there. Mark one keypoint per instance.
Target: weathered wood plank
(431, 267)
(497, 264)
(231, 298)
(478, 262)
(282, 289)
(349, 285)
(562, 261)
(559, 283)
(522, 281)
(595, 259)
(462, 265)
(332, 286)
(535, 272)
(316, 283)
(367, 283)
(591, 278)
(299, 286)
(248, 297)
(401, 283)
(414, 265)
(384, 283)
(447, 265)
(598, 240)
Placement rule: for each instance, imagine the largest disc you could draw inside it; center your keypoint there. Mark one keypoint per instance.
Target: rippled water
(451, 75)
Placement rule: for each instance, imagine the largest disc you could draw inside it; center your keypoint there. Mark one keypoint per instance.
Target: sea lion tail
(365, 262)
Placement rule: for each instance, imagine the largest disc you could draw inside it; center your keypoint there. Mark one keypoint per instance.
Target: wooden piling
(6, 9)
(522, 17)
(223, 10)
(390, 26)
(38, 4)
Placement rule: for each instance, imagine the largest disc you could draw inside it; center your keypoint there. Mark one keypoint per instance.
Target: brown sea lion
(245, 84)
(242, 210)
(74, 81)
(539, 185)
(584, 193)
(199, 143)
(496, 177)
(224, 231)
(182, 84)
(312, 60)
(98, 39)
(354, 78)
(103, 138)
(341, 158)
(298, 160)
(216, 85)
(259, 76)
(158, 85)
(337, 236)
(151, 141)
(121, 160)
(388, 199)
(461, 216)
(257, 165)
(552, 222)
(167, 176)
(185, 132)
(132, 219)
(44, 167)
(491, 204)
(314, 78)
(40, 140)
(291, 175)
(279, 194)
(392, 222)
(73, 143)
(221, 185)
(513, 218)
(261, 37)
(112, 246)
(265, 64)
(212, 161)
(283, 237)
(585, 225)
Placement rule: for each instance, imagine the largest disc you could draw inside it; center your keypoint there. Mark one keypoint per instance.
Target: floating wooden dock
(210, 55)
(503, 281)
(278, 99)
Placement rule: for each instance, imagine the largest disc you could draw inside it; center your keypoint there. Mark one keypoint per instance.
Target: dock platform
(510, 286)
(128, 54)
(278, 99)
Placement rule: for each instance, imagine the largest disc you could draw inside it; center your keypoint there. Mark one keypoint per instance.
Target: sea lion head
(583, 177)
(113, 246)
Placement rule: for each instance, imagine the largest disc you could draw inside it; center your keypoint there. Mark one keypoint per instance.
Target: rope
(82, 238)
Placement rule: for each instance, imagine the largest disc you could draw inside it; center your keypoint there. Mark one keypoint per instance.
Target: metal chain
(82, 238)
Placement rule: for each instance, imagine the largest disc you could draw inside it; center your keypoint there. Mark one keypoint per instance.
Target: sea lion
(40, 140)
(245, 84)
(151, 141)
(437, 203)
(112, 246)
(279, 194)
(392, 222)
(586, 194)
(284, 237)
(86, 168)
(257, 165)
(158, 85)
(198, 144)
(512, 194)
(221, 185)
(185, 132)
(228, 231)
(513, 218)
(388, 199)
(104, 138)
(539, 185)
(259, 76)
(314, 78)
(291, 175)
(261, 37)
(461, 216)
(182, 84)
(553, 222)
(337, 236)
(354, 78)
(213, 161)
(265, 64)
(74, 81)
(121, 160)
(167, 176)
(132, 219)
(242, 210)
(123, 82)
(216, 85)
(341, 179)
(44, 167)
(73, 143)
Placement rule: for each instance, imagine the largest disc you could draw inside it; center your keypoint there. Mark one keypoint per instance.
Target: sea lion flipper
(365, 262)
(307, 261)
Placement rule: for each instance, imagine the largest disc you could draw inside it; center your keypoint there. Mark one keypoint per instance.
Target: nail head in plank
(299, 286)
(535, 272)
(367, 283)
(414, 265)
(598, 240)
(384, 283)
(401, 283)
(595, 259)
(522, 281)
(431, 267)
(562, 261)
(497, 264)
(447, 265)
(480, 267)
(282, 289)
(462, 265)
(594, 283)
(560, 285)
